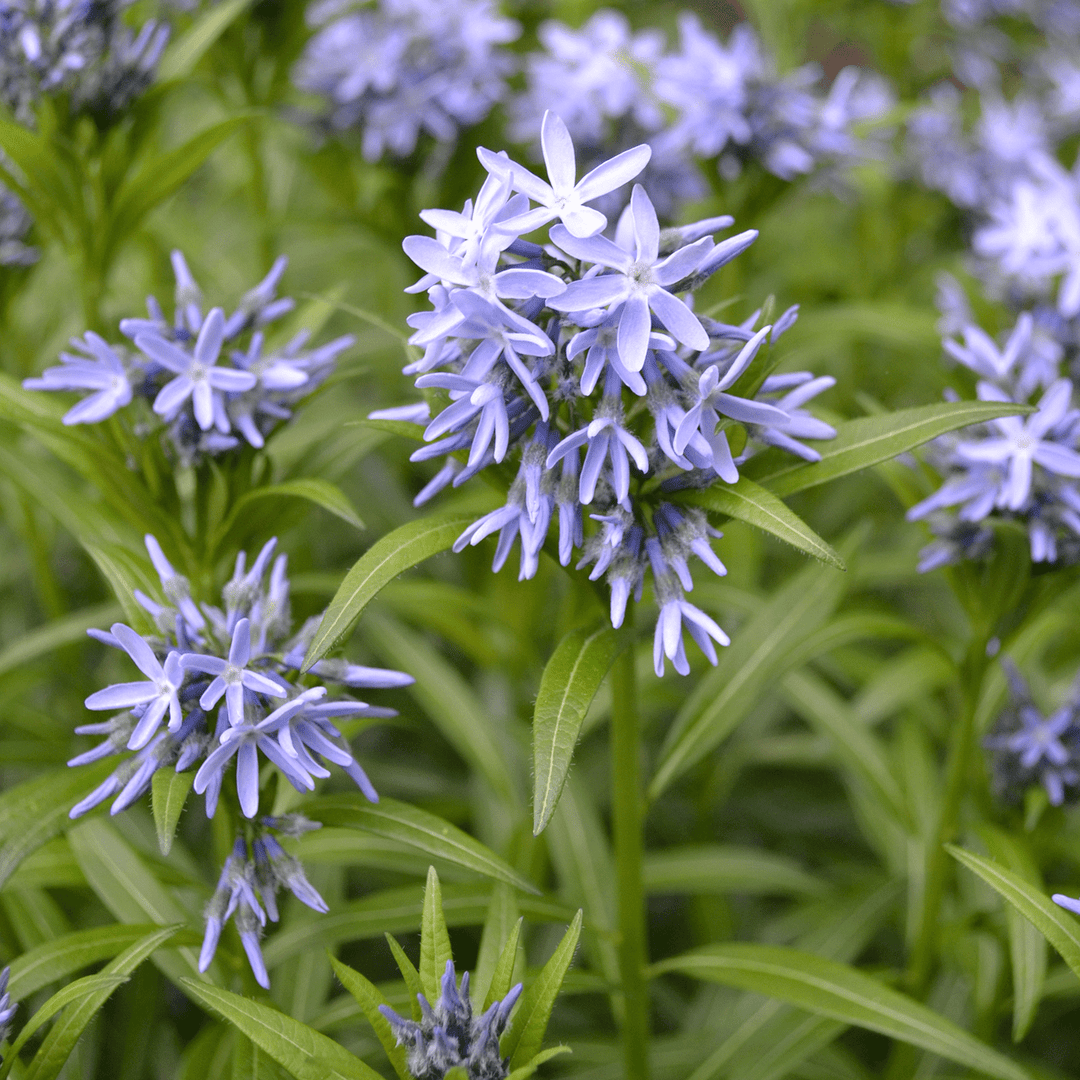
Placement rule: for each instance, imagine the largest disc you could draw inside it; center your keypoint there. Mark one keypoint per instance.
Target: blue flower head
(208, 377)
(1029, 748)
(584, 362)
(70, 47)
(449, 1035)
(397, 69)
(225, 683)
(1022, 468)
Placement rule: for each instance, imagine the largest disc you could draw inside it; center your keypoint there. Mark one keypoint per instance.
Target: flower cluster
(1028, 748)
(1018, 467)
(248, 887)
(180, 371)
(580, 358)
(450, 1036)
(80, 48)
(223, 683)
(397, 68)
(707, 99)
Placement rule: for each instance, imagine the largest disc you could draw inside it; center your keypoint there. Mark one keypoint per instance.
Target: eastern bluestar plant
(1028, 748)
(224, 683)
(450, 1035)
(1022, 468)
(583, 360)
(208, 377)
(705, 100)
(397, 69)
(78, 48)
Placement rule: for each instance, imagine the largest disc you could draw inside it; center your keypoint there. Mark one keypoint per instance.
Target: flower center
(232, 675)
(640, 275)
(197, 371)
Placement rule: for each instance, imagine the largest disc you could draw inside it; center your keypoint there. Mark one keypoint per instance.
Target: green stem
(628, 812)
(956, 776)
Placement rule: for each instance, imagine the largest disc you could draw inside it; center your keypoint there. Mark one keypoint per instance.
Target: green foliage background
(810, 812)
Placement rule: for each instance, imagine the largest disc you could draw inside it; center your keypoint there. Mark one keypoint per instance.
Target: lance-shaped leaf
(530, 1067)
(842, 993)
(320, 492)
(434, 938)
(571, 678)
(303, 1051)
(369, 998)
(871, 440)
(67, 1030)
(168, 793)
(380, 564)
(759, 507)
(522, 1042)
(75, 990)
(1055, 924)
(418, 829)
(63, 956)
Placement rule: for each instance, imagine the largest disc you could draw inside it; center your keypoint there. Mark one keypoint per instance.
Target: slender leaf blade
(522, 1041)
(369, 998)
(169, 792)
(380, 564)
(304, 1052)
(841, 993)
(314, 489)
(418, 829)
(435, 950)
(570, 681)
(870, 440)
(757, 506)
(183, 55)
(1055, 924)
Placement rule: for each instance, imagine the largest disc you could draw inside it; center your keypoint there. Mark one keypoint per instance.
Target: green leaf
(303, 1051)
(1055, 924)
(128, 888)
(841, 993)
(530, 1067)
(65, 1033)
(369, 999)
(755, 659)
(169, 792)
(408, 973)
(418, 829)
(35, 812)
(502, 917)
(79, 988)
(759, 507)
(320, 492)
(116, 568)
(1027, 947)
(522, 1041)
(158, 179)
(63, 631)
(183, 55)
(571, 678)
(725, 868)
(503, 975)
(381, 563)
(870, 440)
(435, 950)
(61, 957)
